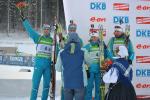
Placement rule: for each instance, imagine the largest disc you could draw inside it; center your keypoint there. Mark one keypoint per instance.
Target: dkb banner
(108, 13)
(16, 60)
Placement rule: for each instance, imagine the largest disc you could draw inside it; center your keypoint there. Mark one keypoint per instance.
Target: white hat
(118, 28)
(123, 52)
(46, 26)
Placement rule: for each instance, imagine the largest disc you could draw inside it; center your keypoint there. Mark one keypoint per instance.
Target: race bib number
(94, 55)
(42, 48)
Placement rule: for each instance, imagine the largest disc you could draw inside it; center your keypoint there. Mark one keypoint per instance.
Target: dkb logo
(98, 5)
(123, 19)
(143, 33)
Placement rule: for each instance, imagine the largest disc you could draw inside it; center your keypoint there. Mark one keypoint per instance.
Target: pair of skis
(127, 34)
(53, 72)
(101, 60)
(57, 31)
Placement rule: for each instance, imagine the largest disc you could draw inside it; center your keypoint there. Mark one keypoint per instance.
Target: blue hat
(73, 37)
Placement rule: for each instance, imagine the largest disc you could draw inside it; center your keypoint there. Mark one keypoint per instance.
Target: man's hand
(88, 73)
(61, 38)
(22, 15)
(130, 62)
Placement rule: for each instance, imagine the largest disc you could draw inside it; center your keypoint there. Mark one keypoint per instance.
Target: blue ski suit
(94, 69)
(42, 62)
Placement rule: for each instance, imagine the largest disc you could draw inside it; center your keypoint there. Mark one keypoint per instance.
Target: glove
(22, 15)
(61, 38)
(88, 73)
(55, 27)
(105, 47)
(130, 62)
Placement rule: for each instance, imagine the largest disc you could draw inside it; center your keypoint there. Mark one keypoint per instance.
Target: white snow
(24, 98)
(16, 85)
(13, 72)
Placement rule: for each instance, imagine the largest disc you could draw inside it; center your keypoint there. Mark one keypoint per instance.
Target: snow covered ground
(15, 83)
(14, 72)
(23, 98)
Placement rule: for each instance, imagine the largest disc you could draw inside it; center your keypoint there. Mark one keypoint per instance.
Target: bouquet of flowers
(21, 5)
(107, 63)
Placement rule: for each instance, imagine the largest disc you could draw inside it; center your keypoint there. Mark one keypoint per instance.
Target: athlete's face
(117, 33)
(94, 38)
(46, 31)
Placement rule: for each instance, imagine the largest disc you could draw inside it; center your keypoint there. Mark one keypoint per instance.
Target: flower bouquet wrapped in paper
(21, 6)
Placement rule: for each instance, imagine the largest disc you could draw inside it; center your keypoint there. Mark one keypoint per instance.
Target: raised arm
(31, 32)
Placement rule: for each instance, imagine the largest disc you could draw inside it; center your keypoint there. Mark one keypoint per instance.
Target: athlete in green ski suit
(119, 40)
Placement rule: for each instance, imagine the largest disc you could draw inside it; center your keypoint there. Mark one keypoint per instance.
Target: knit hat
(118, 28)
(73, 37)
(46, 26)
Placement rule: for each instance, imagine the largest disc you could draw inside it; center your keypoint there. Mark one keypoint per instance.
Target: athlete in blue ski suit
(94, 66)
(120, 40)
(42, 65)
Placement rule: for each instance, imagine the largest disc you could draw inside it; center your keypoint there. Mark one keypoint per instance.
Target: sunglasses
(46, 28)
(117, 31)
